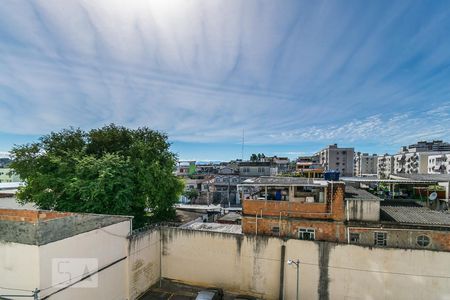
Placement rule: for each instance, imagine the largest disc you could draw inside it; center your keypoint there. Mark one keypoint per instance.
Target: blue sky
(295, 75)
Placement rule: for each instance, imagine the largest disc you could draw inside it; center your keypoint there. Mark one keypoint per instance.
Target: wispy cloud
(202, 71)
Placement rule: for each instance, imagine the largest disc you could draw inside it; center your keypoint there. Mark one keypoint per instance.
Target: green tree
(111, 170)
(191, 194)
(254, 157)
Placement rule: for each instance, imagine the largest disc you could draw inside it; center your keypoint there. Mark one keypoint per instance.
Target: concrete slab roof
(283, 181)
(216, 227)
(352, 193)
(232, 217)
(39, 227)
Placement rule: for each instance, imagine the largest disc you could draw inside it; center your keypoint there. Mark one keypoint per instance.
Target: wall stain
(324, 258)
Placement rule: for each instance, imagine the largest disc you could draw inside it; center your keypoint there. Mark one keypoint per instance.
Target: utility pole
(297, 264)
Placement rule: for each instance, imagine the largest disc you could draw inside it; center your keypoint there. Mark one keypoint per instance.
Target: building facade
(439, 164)
(338, 159)
(365, 164)
(252, 169)
(330, 211)
(385, 166)
(424, 146)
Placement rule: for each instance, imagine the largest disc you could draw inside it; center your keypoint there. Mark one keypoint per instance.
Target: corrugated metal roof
(376, 180)
(283, 181)
(424, 177)
(416, 215)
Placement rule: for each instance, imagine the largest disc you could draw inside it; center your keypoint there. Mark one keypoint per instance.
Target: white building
(339, 159)
(365, 164)
(410, 163)
(439, 164)
(256, 169)
(385, 166)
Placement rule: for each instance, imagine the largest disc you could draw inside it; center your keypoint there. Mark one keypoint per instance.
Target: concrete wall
(23, 273)
(250, 264)
(144, 266)
(363, 210)
(108, 245)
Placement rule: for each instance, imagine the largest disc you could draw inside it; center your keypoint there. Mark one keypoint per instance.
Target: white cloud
(204, 70)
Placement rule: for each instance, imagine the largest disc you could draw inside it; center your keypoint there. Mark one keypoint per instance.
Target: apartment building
(385, 166)
(339, 159)
(411, 163)
(365, 164)
(439, 164)
(309, 167)
(424, 146)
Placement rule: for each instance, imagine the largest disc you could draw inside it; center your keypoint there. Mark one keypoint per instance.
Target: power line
(357, 269)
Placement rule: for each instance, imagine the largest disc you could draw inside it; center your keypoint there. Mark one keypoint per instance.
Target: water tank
(331, 175)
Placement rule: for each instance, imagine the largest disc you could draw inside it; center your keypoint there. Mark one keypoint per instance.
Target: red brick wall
(31, 216)
(329, 211)
(324, 231)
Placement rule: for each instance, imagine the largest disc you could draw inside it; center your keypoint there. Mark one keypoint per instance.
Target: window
(423, 240)
(276, 230)
(354, 238)
(344, 152)
(380, 238)
(307, 234)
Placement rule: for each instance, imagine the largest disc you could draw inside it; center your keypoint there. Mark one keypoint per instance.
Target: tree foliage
(111, 170)
(191, 194)
(257, 157)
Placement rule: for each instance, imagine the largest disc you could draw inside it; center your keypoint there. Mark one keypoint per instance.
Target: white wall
(107, 244)
(144, 266)
(251, 265)
(19, 268)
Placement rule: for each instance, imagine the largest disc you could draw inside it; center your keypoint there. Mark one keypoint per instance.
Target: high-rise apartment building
(365, 164)
(339, 159)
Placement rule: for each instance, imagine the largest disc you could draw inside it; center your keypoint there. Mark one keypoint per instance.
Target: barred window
(275, 230)
(307, 234)
(354, 238)
(380, 238)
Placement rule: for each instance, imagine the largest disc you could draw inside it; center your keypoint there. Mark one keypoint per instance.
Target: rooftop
(216, 227)
(352, 193)
(39, 227)
(283, 181)
(415, 215)
(398, 180)
(230, 217)
(424, 177)
(255, 164)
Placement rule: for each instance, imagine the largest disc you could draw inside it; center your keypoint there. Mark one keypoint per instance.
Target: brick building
(294, 207)
(331, 211)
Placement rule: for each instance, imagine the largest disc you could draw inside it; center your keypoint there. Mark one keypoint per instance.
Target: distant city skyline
(295, 75)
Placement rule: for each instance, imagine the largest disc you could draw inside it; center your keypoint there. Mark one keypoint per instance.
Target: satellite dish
(432, 196)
